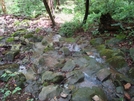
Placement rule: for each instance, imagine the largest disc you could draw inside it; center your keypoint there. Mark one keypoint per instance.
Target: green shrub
(68, 29)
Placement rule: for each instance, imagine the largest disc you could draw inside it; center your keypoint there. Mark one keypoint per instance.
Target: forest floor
(9, 24)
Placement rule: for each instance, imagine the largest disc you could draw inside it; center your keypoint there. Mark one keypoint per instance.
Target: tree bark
(86, 11)
(3, 6)
(49, 12)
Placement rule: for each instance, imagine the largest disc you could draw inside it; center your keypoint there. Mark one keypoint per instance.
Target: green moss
(1, 38)
(106, 52)
(70, 40)
(44, 42)
(48, 49)
(116, 61)
(28, 35)
(100, 47)
(45, 84)
(96, 41)
(10, 39)
(19, 32)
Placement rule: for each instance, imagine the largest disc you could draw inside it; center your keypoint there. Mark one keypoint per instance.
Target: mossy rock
(106, 52)
(96, 41)
(71, 40)
(51, 77)
(37, 38)
(10, 39)
(19, 32)
(109, 53)
(47, 49)
(30, 35)
(116, 61)
(1, 37)
(44, 42)
(112, 42)
(101, 47)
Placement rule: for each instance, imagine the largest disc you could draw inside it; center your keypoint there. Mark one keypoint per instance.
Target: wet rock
(51, 61)
(10, 56)
(112, 42)
(41, 61)
(33, 87)
(80, 61)
(51, 77)
(49, 92)
(132, 53)
(96, 41)
(66, 51)
(117, 61)
(103, 74)
(119, 90)
(86, 94)
(109, 89)
(75, 77)
(69, 65)
(83, 94)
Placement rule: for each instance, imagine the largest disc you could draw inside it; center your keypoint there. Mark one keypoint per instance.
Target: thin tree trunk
(49, 12)
(86, 11)
(3, 6)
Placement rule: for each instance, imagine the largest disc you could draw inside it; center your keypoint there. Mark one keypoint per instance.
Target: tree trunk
(3, 6)
(49, 12)
(86, 11)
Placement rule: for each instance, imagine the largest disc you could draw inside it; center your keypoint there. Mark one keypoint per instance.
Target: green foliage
(120, 36)
(119, 9)
(6, 91)
(68, 29)
(30, 8)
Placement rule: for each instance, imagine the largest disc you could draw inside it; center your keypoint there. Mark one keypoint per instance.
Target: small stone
(127, 86)
(63, 95)
(96, 98)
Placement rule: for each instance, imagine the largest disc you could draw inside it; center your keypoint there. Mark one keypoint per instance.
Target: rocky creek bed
(50, 67)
